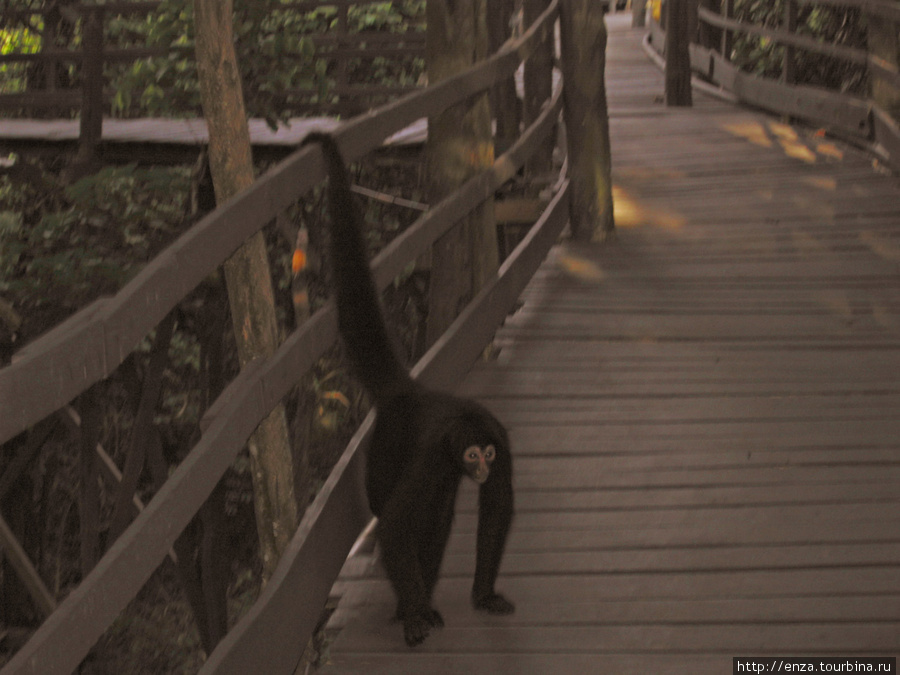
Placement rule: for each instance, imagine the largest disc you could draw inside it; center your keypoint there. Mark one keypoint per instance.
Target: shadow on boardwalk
(705, 416)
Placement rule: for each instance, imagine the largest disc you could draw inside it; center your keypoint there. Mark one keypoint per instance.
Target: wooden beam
(18, 558)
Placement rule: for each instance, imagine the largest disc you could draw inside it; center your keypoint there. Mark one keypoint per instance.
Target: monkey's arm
(495, 512)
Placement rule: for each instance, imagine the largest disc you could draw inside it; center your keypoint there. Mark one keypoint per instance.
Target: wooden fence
(860, 118)
(67, 361)
(88, 96)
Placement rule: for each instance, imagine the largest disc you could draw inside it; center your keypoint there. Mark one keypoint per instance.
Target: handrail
(67, 635)
(849, 54)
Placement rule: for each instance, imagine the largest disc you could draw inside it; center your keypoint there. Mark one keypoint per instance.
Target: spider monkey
(423, 442)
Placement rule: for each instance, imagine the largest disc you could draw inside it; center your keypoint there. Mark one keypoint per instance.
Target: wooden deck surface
(705, 418)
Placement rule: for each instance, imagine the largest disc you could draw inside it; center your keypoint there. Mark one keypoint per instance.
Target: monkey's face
(477, 461)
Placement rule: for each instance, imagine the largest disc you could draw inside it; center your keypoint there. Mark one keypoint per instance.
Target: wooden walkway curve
(705, 417)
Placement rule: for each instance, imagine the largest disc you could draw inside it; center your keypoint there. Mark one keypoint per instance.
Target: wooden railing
(50, 372)
(338, 47)
(860, 118)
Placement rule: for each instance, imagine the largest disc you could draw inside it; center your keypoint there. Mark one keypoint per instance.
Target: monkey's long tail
(360, 318)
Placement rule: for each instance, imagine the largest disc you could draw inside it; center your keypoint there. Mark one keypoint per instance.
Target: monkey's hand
(493, 603)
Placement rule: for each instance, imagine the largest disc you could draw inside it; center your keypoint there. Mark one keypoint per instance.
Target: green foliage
(61, 247)
(832, 25)
(281, 70)
(16, 41)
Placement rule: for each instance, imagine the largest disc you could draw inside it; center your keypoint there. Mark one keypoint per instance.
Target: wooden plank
(754, 516)
(713, 499)
(541, 589)
(737, 611)
(18, 559)
(726, 640)
(532, 664)
(824, 530)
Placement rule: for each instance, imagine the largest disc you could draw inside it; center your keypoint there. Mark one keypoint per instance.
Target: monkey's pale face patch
(478, 462)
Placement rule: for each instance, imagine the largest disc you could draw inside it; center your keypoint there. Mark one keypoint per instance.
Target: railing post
(538, 85)
(884, 47)
(727, 38)
(638, 13)
(705, 35)
(91, 130)
(790, 24)
(504, 102)
(678, 57)
(340, 61)
(460, 144)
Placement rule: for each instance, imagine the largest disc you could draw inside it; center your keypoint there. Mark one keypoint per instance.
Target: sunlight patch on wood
(797, 150)
(580, 268)
(880, 246)
(750, 131)
(783, 131)
(629, 212)
(827, 184)
(829, 150)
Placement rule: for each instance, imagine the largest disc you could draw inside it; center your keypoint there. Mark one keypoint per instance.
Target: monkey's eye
(473, 454)
(489, 453)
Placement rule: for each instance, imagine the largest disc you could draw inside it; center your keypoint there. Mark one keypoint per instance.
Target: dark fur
(415, 459)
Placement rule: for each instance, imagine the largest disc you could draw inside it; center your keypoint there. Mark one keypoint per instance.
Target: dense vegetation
(832, 25)
(282, 70)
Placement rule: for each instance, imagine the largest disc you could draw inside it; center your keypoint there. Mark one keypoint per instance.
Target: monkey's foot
(493, 603)
(418, 626)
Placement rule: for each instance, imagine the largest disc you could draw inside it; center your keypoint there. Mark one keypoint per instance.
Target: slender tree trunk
(583, 34)
(504, 102)
(538, 86)
(459, 145)
(247, 272)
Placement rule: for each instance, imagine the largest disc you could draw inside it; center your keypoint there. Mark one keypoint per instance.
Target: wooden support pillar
(884, 46)
(727, 37)
(89, 497)
(460, 144)
(638, 13)
(790, 24)
(538, 85)
(707, 36)
(91, 130)
(504, 101)
(678, 57)
(583, 38)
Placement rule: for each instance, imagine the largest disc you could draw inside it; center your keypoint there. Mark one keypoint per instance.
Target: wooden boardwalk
(705, 418)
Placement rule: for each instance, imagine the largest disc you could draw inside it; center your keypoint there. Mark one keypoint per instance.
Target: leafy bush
(832, 25)
(279, 64)
(61, 247)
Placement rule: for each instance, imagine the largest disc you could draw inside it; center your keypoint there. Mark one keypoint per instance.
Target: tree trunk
(583, 34)
(678, 57)
(504, 101)
(538, 86)
(459, 145)
(247, 272)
